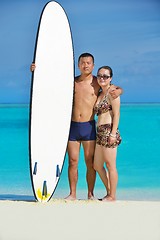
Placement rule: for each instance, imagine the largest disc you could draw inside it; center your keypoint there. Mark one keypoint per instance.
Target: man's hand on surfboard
(32, 67)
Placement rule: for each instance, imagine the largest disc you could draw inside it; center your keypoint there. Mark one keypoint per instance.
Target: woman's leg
(99, 166)
(110, 160)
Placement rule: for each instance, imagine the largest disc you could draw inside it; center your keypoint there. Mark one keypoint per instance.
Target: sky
(124, 34)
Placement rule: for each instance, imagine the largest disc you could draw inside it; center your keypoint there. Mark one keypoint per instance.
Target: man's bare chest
(85, 90)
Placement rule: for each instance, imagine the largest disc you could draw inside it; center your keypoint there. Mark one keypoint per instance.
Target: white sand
(79, 220)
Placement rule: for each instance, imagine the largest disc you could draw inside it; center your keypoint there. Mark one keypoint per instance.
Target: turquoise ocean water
(138, 159)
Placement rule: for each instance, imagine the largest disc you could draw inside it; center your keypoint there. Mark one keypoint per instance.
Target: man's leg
(73, 154)
(89, 147)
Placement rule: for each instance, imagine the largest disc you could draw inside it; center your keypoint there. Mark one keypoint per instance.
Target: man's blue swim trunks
(82, 131)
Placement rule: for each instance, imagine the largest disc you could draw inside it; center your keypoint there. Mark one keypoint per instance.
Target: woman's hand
(111, 140)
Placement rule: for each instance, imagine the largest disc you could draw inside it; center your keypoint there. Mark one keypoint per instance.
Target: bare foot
(108, 199)
(70, 198)
(91, 198)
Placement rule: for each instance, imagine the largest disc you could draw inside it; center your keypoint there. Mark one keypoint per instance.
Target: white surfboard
(51, 100)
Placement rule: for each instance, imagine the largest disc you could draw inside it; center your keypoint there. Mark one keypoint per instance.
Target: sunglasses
(104, 77)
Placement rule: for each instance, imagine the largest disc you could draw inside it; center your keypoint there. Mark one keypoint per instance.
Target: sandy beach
(79, 220)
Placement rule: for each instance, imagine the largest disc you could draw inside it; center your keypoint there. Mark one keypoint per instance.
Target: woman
(108, 137)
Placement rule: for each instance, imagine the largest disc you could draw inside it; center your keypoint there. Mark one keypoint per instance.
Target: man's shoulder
(95, 84)
(94, 81)
(77, 78)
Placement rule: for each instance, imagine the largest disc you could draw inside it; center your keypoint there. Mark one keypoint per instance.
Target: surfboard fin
(35, 168)
(44, 191)
(57, 171)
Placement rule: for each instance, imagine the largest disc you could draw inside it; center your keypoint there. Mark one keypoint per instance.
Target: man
(83, 130)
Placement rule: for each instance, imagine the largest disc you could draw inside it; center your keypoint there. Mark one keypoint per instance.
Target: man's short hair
(86, 55)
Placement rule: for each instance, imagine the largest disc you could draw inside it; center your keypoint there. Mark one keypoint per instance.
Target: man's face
(86, 65)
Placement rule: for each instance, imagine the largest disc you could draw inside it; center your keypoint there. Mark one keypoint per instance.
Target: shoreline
(123, 194)
(80, 220)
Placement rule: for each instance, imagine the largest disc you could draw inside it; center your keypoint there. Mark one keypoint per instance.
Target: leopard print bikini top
(103, 106)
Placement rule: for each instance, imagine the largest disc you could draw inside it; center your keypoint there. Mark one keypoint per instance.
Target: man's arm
(115, 91)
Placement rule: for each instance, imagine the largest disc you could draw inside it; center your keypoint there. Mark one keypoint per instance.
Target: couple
(94, 95)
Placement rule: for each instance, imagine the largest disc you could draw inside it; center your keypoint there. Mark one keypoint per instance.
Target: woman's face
(103, 77)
